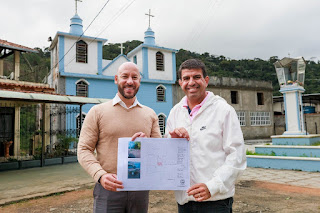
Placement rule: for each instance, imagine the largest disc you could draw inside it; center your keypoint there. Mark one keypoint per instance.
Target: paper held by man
(153, 164)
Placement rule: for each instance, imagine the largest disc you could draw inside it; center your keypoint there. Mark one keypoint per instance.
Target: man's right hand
(180, 133)
(110, 182)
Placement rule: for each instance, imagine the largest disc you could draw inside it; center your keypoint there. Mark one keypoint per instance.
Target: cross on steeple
(149, 14)
(77, 5)
(121, 47)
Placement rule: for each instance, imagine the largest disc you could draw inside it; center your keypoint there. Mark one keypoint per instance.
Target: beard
(121, 90)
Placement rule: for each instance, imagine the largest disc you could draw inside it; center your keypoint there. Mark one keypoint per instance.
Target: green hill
(35, 66)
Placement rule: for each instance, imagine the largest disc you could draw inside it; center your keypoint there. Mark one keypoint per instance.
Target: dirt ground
(251, 196)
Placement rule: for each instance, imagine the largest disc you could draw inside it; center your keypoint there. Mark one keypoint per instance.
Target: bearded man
(124, 116)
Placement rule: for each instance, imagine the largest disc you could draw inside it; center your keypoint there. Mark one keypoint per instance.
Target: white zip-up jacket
(217, 151)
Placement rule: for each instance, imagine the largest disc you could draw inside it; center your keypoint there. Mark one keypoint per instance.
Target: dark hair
(192, 64)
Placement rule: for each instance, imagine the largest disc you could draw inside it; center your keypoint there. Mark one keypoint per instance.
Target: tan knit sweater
(102, 127)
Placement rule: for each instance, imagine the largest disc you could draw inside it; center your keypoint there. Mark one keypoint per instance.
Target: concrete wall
(313, 123)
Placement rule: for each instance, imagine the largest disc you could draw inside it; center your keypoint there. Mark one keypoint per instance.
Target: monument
(291, 75)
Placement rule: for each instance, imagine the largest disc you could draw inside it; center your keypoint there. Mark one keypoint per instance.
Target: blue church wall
(61, 53)
(147, 95)
(145, 62)
(99, 58)
(104, 88)
(98, 88)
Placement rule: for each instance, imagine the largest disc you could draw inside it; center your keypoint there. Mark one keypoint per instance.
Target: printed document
(153, 164)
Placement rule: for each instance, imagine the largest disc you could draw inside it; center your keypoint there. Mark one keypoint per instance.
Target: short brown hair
(193, 64)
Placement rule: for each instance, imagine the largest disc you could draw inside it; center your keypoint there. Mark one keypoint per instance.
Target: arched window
(78, 123)
(161, 93)
(162, 123)
(82, 88)
(160, 61)
(82, 52)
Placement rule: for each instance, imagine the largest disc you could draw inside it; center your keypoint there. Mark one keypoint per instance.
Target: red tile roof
(13, 46)
(26, 87)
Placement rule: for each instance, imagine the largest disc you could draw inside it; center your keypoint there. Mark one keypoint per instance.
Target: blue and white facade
(77, 59)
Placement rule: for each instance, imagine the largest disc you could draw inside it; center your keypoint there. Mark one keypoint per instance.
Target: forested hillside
(35, 66)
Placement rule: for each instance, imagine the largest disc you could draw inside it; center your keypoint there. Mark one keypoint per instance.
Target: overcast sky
(238, 29)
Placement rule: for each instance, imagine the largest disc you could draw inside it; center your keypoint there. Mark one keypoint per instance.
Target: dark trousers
(219, 206)
(106, 201)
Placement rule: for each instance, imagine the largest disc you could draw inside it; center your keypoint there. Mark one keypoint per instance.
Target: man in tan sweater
(124, 116)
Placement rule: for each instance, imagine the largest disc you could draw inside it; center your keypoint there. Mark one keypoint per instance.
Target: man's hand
(199, 191)
(180, 133)
(110, 182)
(138, 135)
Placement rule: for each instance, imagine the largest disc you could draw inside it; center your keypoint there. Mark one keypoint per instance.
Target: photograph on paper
(134, 149)
(133, 169)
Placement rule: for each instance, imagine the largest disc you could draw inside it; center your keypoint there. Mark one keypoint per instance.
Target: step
(308, 164)
(295, 139)
(294, 151)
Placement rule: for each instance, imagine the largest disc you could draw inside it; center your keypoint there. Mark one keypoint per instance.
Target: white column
(293, 110)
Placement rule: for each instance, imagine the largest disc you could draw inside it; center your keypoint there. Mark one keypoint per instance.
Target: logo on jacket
(203, 128)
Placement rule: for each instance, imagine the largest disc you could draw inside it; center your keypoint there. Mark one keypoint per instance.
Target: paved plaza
(29, 183)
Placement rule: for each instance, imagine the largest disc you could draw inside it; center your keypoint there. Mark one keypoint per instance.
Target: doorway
(6, 129)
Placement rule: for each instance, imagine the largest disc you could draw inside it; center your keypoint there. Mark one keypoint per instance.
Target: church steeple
(76, 26)
(149, 37)
(149, 34)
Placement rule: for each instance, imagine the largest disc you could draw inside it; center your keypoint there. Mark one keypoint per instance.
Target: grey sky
(233, 28)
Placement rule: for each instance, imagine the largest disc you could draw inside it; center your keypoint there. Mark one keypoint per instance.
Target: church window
(82, 52)
(82, 89)
(160, 61)
(162, 123)
(79, 125)
(135, 59)
(161, 93)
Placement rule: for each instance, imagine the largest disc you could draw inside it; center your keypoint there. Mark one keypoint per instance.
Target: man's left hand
(199, 191)
(138, 135)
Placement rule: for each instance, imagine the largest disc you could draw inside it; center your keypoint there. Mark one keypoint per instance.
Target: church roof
(9, 45)
(71, 35)
(115, 59)
(149, 46)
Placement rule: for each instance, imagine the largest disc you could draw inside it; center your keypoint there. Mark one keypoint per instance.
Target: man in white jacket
(217, 151)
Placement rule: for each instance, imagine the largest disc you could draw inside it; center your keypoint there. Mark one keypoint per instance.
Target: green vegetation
(29, 135)
(35, 66)
(316, 144)
(64, 142)
(248, 152)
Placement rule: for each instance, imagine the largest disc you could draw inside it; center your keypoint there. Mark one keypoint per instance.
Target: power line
(80, 36)
(122, 10)
(198, 30)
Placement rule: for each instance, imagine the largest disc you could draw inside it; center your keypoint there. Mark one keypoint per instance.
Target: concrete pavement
(36, 182)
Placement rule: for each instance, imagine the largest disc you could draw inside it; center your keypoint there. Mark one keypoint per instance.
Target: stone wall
(312, 127)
